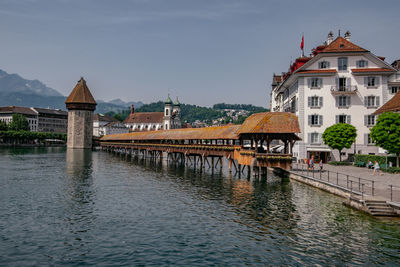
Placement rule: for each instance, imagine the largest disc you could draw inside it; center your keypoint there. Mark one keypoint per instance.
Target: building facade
(104, 124)
(30, 115)
(51, 120)
(152, 121)
(339, 83)
(80, 104)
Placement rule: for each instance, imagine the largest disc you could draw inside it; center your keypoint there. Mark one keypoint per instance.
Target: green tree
(3, 126)
(386, 133)
(118, 117)
(339, 136)
(18, 123)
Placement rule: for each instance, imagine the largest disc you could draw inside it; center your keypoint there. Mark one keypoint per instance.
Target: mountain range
(17, 91)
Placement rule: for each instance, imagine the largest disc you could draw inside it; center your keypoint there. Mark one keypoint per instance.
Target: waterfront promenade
(353, 177)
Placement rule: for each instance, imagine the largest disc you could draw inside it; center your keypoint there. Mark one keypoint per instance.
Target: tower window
(166, 112)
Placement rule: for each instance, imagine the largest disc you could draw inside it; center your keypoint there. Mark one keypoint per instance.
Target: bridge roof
(216, 132)
(270, 122)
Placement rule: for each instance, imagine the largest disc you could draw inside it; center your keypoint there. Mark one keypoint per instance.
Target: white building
(339, 83)
(152, 121)
(104, 124)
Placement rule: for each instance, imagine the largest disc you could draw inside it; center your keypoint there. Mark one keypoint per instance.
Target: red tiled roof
(371, 70)
(317, 71)
(145, 117)
(81, 94)
(342, 45)
(392, 105)
(102, 117)
(270, 122)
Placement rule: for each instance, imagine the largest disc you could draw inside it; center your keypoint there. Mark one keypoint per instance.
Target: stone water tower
(80, 104)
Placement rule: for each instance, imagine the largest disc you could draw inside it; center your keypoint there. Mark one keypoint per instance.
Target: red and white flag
(302, 43)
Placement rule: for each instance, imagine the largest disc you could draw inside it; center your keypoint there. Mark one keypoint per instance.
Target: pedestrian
(369, 165)
(376, 168)
(321, 165)
(312, 162)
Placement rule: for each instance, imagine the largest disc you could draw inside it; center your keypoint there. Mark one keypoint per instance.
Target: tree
(339, 136)
(118, 117)
(3, 126)
(386, 133)
(18, 123)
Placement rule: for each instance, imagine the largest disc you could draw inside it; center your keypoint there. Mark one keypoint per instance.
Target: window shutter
(337, 83)
(319, 65)
(348, 119)
(328, 64)
(358, 63)
(309, 82)
(337, 118)
(376, 81)
(309, 119)
(348, 82)
(366, 101)
(366, 81)
(377, 102)
(365, 120)
(320, 101)
(309, 138)
(320, 120)
(366, 63)
(348, 101)
(319, 82)
(365, 139)
(337, 100)
(309, 101)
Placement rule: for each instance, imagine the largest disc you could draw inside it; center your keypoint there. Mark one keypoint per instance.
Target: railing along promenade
(354, 184)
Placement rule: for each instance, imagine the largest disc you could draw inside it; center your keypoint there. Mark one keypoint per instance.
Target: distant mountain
(17, 91)
(120, 102)
(13, 83)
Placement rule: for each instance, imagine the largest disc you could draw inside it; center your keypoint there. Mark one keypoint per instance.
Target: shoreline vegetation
(27, 138)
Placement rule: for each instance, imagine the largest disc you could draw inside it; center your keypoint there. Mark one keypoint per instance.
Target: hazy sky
(205, 51)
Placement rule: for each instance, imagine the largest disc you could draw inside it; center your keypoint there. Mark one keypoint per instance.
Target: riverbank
(32, 145)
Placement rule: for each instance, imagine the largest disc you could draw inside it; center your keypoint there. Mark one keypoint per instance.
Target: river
(62, 207)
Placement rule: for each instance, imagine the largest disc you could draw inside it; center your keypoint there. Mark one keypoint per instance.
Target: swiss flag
(302, 42)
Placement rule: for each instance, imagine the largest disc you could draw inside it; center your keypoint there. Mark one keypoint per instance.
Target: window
(315, 101)
(323, 65)
(315, 138)
(342, 63)
(342, 84)
(371, 101)
(362, 64)
(293, 105)
(166, 112)
(343, 119)
(315, 120)
(166, 126)
(371, 81)
(315, 83)
(368, 139)
(343, 101)
(394, 89)
(369, 120)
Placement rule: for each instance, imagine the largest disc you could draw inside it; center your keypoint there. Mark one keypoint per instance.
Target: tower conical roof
(168, 100)
(176, 103)
(81, 98)
(81, 94)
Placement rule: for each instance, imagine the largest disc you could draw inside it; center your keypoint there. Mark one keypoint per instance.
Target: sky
(203, 51)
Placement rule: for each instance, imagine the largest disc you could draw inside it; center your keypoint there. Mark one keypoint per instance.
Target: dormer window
(362, 64)
(323, 65)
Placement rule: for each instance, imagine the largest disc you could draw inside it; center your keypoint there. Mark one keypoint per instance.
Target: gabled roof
(145, 117)
(102, 117)
(392, 105)
(342, 45)
(81, 94)
(270, 122)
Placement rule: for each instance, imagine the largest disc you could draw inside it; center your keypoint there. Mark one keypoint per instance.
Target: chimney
(330, 38)
(347, 36)
(132, 109)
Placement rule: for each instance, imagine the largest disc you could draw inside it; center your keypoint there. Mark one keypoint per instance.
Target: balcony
(344, 90)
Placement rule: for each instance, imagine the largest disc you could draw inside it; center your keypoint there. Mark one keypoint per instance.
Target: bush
(339, 163)
(380, 159)
(391, 170)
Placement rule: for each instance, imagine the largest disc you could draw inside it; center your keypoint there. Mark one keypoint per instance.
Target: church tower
(167, 113)
(176, 115)
(80, 104)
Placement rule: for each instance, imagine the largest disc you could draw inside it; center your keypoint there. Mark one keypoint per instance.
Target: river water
(62, 207)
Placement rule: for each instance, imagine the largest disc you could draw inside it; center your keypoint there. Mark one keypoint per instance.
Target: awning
(320, 149)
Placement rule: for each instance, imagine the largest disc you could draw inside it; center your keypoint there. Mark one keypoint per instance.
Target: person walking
(321, 165)
(376, 168)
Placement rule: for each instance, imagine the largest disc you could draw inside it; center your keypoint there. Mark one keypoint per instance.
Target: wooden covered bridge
(243, 145)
